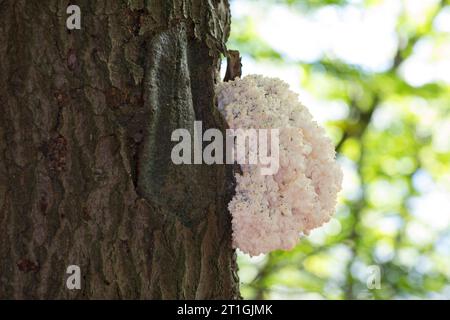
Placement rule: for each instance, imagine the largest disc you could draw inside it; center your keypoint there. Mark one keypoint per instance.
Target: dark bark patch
(115, 98)
(135, 20)
(61, 98)
(234, 66)
(135, 145)
(56, 153)
(85, 214)
(72, 60)
(27, 266)
(43, 204)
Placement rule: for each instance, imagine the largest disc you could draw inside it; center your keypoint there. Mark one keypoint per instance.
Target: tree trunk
(85, 171)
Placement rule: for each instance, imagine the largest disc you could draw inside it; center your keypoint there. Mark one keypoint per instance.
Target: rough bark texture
(85, 173)
(234, 66)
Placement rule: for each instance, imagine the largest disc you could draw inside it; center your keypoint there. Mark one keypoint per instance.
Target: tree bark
(85, 171)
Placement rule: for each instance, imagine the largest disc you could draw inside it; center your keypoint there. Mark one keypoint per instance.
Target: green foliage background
(393, 159)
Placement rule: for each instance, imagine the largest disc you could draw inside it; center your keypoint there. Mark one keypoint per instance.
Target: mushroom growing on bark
(270, 212)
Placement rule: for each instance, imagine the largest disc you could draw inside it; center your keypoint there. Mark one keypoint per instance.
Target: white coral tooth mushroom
(270, 212)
